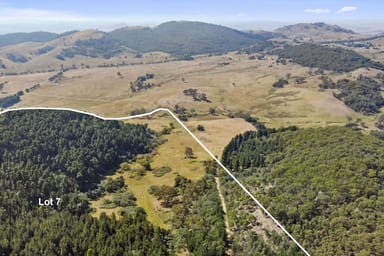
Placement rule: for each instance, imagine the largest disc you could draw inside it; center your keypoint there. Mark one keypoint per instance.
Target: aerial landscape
(163, 129)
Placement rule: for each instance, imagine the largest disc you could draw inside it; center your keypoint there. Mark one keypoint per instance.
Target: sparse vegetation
(200, 128)
(188, 153)
(159, 172)
(44, 50)
(16, 58)
(57, 77)
(280, 83)
(196, 95)
(32, 88)
(380, 122)
(139, 84)
(103, 47)
(327, 83)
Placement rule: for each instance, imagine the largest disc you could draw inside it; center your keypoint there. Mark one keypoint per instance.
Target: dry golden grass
(170, 153)
(218, 132)
(49, 61)
(22, 82)
(243, 85)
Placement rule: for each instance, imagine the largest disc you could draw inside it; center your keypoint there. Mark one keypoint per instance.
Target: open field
(215, 136)
(241, 85)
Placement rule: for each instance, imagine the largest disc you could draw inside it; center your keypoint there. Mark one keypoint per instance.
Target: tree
(380, 122)
(212, 111)
(200, 128)
(280, 83)
(188, 152)
(2, 86)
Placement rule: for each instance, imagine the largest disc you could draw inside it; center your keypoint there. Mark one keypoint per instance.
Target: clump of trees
(113, 185)
(196, 95)
(380, 122)
(362, 95)
(198, 219)
(325, 57)
(2, 65)
(44, 50)
(280, 83)
(140, 83)
(300, 80)
(16, 58)
(327, 83)
(103, 47)
(32, 88)
(183, 113)
(200, 128)
(2, 86)
(188, 152)
(56, 77)
(9, 101)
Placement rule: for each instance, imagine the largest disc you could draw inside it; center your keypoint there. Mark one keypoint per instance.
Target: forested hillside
(185, 38)
(325, 57)
(56, 154)
(362, 95)
(326, 185)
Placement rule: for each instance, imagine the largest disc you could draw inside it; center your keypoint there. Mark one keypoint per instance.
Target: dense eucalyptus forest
(60, 154)
(326, 185)
(56, 154)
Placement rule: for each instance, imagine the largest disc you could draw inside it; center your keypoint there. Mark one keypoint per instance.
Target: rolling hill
(324, 184)
(40, 51)
(316, 32)
(325, 57)
(185, 38)
(16, 38)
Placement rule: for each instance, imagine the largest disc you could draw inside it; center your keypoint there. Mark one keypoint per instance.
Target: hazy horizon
(54, 16)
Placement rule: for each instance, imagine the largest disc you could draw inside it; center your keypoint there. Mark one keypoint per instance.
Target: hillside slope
(326, 185)
(16, 38)
(184, 38)
(328, 58)
(316, 32)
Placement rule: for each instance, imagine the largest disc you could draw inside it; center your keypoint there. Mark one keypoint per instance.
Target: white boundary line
(193, 136)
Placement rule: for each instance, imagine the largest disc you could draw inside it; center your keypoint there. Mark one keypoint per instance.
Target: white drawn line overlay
(193, 136)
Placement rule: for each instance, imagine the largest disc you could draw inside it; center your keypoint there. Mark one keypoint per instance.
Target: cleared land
(216, 131)
(171, 154)
(239, 85)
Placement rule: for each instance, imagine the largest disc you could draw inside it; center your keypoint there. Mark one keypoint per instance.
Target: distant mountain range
(177, 38)
(186, 37)
(180, 39)
(20, 37)
(316, 31)
(308, 28)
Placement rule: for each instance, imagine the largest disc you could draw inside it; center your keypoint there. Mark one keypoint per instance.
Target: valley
(296, 114)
